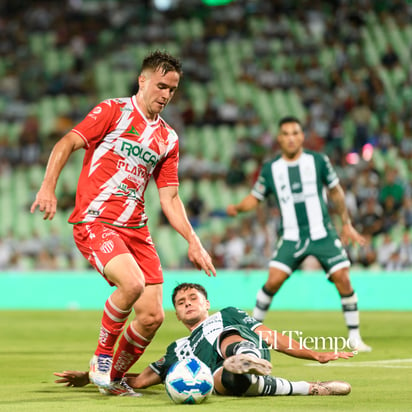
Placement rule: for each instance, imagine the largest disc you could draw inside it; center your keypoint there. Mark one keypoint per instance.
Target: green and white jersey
(202, 341)
(299, 189)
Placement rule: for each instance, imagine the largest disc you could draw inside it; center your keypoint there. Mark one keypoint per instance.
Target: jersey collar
(154, 122)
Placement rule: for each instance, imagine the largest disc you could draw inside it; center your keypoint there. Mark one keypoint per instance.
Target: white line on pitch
(386, 363)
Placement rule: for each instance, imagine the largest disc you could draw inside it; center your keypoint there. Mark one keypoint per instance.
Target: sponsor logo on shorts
(92, 212)
(107, 247)
(161, 361)
(108, 232)
(337, 258)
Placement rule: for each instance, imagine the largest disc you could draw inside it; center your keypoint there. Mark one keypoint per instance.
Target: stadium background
(343, 67)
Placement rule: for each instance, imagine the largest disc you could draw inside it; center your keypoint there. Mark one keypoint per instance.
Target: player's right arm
(46, 198)
(248, 203)
(288, 346)
(251, 201)
(148, 377)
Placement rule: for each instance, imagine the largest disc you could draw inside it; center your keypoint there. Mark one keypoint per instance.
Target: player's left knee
(151, 322)
(341, 280)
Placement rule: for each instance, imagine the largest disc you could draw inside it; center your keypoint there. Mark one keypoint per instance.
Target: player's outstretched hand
(46, 201)
(200, 258)
(231, 210)
(350, 234)
(325, 357)
(72, 378)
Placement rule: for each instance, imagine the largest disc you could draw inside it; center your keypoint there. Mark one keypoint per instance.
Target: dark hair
(289, 119)
(163, 61)
(185, 286)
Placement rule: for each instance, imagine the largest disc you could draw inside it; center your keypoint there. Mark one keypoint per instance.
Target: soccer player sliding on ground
(235, 346)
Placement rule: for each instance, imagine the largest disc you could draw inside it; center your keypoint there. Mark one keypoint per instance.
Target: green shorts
(329, 251)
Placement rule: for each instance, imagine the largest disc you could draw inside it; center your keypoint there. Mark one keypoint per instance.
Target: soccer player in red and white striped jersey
(126, 142)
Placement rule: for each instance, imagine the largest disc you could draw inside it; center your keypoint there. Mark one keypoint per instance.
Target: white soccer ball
(189, 381)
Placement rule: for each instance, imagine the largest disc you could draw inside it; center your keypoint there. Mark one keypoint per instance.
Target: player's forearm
(175, 213)
(338, 198)
(247, 204)
(289, 346)
(144, 379)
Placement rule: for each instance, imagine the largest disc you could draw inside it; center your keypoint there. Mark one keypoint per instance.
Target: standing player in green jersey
(298, 178)
(235, 346)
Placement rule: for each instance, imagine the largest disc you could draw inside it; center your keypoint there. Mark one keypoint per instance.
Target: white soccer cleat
(359, 345)
(329, 388)
(119, 388)
(244, 363)
(99, 372)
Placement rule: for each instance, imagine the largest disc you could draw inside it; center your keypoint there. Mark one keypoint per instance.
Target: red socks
(113, 322)
(131, 347)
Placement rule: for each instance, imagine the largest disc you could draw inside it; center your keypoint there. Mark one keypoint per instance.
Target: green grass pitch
(34, 344)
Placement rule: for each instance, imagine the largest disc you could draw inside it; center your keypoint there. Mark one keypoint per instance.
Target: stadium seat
(378, 159)
(208, 143)
(7, 209)
(280, 106)
(227, 144)
(185, 190)
(197, 28)
(224, 195)
(198, 95)
(244, 91)
(63, 104)
(396, 233)
(170, 245)
(52, 62)
(295, 104)
(181, 30)
(371, 54)
(106, 38)
(41, 42)
(378, 37)
(394, 35)
(46, 112)
(13, 131)
(348, 134)
(246, 48)
(103, 78)
(216, 226)
(327, 57)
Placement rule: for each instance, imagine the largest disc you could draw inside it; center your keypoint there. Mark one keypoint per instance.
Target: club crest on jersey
(107, 247)
(161, 361)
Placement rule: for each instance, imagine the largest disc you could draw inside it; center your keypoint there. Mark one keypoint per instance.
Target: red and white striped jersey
(123, 149)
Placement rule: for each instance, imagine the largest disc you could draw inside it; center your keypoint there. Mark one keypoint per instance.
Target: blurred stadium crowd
(343, 67)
